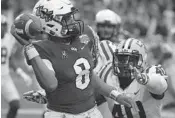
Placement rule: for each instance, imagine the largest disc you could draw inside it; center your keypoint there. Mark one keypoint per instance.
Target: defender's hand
(142, 78)
(36, 96)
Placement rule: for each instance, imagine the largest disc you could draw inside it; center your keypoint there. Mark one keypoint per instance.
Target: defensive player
(63, 64)
(110, 32)
(108, 27)
(130, 74)
(8, 89)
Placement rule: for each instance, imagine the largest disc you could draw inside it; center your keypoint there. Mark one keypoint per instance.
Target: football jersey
(106, 49)
(72, 65)
(7, 44)
(149, 104)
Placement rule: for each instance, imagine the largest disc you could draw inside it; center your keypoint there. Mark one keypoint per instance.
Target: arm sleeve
(43, 69)
(106, 50)
(100, 86)
(94, 44)
(48, 64)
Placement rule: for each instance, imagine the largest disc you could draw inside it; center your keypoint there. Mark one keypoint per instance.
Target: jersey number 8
(81, 68)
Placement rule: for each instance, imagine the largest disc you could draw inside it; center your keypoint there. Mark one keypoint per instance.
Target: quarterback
(64, 63)
(8, 89)
(131, 75)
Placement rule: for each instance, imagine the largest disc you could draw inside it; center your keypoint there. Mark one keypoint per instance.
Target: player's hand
(127, 101)
(142, 78)
(18, 38)
(36, 96)
(123, 99)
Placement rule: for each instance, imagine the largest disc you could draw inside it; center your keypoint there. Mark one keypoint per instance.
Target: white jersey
(7, 44)
(106, 49)
(149, 105)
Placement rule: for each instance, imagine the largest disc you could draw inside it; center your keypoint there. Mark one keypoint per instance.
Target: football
(27, 26)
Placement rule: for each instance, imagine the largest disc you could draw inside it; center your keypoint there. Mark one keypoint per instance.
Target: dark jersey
(72, 65)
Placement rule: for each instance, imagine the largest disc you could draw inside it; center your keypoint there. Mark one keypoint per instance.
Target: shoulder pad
(110, 43)
(158, 69)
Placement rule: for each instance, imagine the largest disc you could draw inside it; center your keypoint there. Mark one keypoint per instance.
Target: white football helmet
(57, 18)
(108, 23)
(129, 52)
(107, 15)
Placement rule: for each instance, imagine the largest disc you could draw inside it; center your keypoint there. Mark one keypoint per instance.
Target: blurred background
(152, 21)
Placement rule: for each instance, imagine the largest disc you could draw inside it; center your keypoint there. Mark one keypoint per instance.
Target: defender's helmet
(108, 24)
(129, 52)
(57, 18)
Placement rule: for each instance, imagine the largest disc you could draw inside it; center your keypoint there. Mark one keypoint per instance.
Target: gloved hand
(142, 78)
(36, 96)
(123, 99)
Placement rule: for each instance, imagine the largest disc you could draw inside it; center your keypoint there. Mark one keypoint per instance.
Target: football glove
(123, 99)
(36, 96)
(142, 78)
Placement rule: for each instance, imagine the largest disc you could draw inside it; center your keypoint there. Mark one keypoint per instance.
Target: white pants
(8, 89)
(92, 113)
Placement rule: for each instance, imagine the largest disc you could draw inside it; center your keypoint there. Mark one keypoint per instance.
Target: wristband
(31, 52)
(114, 94)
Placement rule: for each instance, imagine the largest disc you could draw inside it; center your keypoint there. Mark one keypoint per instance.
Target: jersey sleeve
(42, 49)
(94, 44)
(48, 64)
(106, 50)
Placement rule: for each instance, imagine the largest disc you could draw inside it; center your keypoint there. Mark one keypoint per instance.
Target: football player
(63, 64)
(109, 30)
(8, 89)
(130, 74)
(108, 27)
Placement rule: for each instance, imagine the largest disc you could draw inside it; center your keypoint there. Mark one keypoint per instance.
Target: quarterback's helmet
(57, 18)
(108, 24)
(129, 52)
